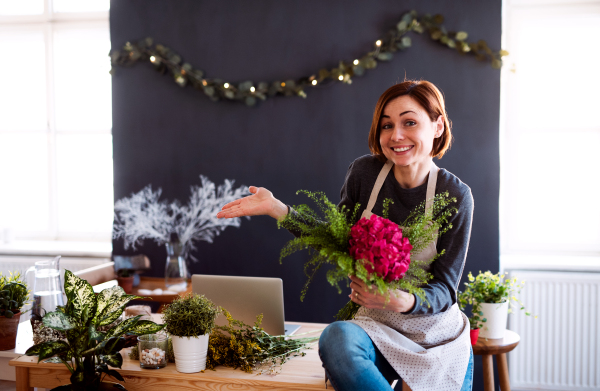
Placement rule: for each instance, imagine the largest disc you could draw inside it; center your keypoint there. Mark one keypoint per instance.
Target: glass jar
(175, 269)
(153, 351)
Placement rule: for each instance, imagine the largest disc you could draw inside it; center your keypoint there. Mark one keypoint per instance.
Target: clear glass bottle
(176, 269)
(153, 350)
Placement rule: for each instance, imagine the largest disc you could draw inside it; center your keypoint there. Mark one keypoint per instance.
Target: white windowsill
(572, 263)
(56, 247)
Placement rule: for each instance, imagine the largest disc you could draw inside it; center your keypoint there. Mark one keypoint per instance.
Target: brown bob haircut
(429, 98)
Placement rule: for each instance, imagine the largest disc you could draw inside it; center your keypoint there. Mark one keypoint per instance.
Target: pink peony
(379, 243)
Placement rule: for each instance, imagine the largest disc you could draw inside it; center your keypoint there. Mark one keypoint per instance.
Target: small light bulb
(252, 89)
(314, 82)
(204, 82)
(152, 59)
(355, 62)
(226, 85)
(378, 43)
(341, 77)
(283, 84)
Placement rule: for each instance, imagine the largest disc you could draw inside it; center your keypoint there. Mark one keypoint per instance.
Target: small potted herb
(13, 296)
(93, 340)
(125, 279)
(492, 297)
(189, 320)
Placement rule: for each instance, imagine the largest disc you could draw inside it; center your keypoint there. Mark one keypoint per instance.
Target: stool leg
(405, 386)
(503, 372)
(488, 372)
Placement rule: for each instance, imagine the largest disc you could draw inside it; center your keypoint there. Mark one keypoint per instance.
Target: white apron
(429, 352)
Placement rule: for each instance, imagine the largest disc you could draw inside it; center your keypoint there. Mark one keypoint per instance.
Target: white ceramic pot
(496, 315)
(190, 353)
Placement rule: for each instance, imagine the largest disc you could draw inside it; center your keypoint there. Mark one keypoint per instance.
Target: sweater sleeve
(447, 270)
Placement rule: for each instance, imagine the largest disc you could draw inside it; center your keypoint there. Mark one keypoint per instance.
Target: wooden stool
(496, 347)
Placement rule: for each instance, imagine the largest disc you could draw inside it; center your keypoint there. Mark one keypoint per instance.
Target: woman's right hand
(261, 202)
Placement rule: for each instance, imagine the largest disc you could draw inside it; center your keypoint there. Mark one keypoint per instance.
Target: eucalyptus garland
(166, 60)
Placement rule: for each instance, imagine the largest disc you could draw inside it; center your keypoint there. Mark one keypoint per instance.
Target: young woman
(426, 344)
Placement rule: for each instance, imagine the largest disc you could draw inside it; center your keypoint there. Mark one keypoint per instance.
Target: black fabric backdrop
(167, 136)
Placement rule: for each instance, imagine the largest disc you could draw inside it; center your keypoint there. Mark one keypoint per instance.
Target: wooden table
(299, 373)
(152, 283)
(496, 347)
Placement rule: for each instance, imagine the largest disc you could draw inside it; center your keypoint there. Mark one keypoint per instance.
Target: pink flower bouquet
(376, 250)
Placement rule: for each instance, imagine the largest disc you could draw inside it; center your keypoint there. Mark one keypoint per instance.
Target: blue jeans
(353, 362)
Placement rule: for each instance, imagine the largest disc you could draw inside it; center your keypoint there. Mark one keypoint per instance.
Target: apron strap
(385, 170)
(431, 182)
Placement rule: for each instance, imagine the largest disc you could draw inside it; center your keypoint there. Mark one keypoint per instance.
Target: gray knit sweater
(447, 270)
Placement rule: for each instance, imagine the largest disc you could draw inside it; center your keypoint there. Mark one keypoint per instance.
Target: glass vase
(176, 269)
(153, 351)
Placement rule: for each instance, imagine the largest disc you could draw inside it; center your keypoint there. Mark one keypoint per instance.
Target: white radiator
(560, 350)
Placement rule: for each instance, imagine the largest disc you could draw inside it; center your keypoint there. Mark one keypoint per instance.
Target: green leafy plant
(13, 294)
(123, 273)
(89, 349)
(190, 316)
(250, 348)
(489, 288)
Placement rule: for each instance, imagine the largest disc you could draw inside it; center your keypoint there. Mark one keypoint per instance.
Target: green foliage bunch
(250, 348)
(396, 39)
(13, 294)
(190, 316)
(88, 352)
(489, 288)
(326, 232)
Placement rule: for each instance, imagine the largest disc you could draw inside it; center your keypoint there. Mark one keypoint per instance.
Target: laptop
(245, 298)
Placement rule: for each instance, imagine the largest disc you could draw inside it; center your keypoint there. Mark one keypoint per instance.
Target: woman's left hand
(368, 297)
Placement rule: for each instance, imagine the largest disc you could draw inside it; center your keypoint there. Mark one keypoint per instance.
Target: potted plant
(475, 320)
(13, 296)
(93, 340)
(492, 297)
(125, 279)
(189, 320)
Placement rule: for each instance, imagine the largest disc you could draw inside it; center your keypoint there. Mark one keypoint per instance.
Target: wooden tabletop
(486, 346)
(299, 373)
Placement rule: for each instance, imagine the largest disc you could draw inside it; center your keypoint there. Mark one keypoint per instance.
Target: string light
(314, 82)
(152, 59)
(252, 89)
(355, 62)
(378, 43)
(283, 84)
(226, 85)
(341, 77)
(204, 82)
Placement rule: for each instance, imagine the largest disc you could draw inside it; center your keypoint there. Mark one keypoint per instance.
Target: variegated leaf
(114, 360)
(123, 327)
(145, 327)
(47, 349)
(59, 321)
(111, 302)
(81, 297)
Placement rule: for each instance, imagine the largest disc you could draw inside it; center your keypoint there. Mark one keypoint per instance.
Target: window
(55, 120)
(550, 132)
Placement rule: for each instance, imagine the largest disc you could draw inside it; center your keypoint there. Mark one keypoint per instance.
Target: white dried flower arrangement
(144, 216)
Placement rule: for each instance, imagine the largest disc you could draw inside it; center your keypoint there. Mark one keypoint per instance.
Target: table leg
(503, 372)
(22, 374)
(488, 372)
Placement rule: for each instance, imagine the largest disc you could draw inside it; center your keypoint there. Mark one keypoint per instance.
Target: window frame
(49, 23)
(562, 256)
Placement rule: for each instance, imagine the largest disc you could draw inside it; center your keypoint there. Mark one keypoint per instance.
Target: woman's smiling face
(406, 132)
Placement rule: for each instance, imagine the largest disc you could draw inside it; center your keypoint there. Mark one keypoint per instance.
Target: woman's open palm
(261, 202)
